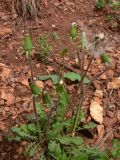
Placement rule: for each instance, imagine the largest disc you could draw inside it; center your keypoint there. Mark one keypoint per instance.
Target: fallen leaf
(3, 65)
(25, 82)
(49, 69)
(49, 83)
(4, 31)
(46, 3)
(118, 115)
(101, 131)
(2, 126)
(7, 109)
(103, 77)
(98, 93)
(9, 97)
(115, 84)
(96, 111)
(110, 122)
(40, 84)
(14, 117)
(5, 73)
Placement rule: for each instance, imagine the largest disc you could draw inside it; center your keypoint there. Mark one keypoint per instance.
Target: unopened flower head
(61, 82)
(76, 61)
(74, 24)
(101, 36)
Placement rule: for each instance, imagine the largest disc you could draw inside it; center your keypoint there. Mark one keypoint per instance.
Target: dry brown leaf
(101, 132)
(98, 93)
(46, 3)
(5, 73)
(115, 84)
(2, 126)
(118, 115)
(9, 97)
(3, 65)
(96, 111)
(103, 77)
(49, 83)
(4, 31)
(40, 84)
(49, 69)
(25, 82)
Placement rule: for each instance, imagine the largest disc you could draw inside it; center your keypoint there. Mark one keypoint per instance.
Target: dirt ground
(56, 16)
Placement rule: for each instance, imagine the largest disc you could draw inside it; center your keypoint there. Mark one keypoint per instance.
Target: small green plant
(49, 135)
(100, 4)
(44, 49)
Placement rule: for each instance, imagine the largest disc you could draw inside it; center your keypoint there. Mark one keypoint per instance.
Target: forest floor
(57, 16)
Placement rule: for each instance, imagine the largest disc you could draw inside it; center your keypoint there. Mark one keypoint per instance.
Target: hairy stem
(34, 105)
(81, 97)
(81, 90)
(90, 62)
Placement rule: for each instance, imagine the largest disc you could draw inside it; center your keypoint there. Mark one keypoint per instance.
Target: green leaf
(72, 76)
(90, 125)
(47, 99)
(13, 138)
(31, 149)
(86, 80)
(42, 157)
(54, 149)
(100, 4)
(105, 58)
(67, 140)
(23, 132)
(35, 89)
(63, 102)
(82, 156)
(40, 111)
(116, 149)
(42, 116)
(55, 36)
(55, 78)
(64, 52)
(32, 128)
(58, 127)
(75, 76)
(27, 44)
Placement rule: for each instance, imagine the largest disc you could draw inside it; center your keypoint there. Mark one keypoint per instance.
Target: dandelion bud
(61, 82)
(74, 31)
(76, 61)
(101, 36)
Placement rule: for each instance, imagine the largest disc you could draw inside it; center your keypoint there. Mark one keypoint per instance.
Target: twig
(67, 67)
(2, 119)
(104, 139)
(97, 76)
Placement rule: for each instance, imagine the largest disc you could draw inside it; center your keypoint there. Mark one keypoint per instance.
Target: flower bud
(61, 82)
(101, 36)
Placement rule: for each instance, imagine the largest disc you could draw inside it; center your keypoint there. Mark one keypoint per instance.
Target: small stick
(104, 139)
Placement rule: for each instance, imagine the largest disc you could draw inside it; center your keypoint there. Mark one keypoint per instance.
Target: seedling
(44, 49)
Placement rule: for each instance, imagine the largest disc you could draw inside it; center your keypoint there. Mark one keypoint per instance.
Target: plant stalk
(34, 105)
